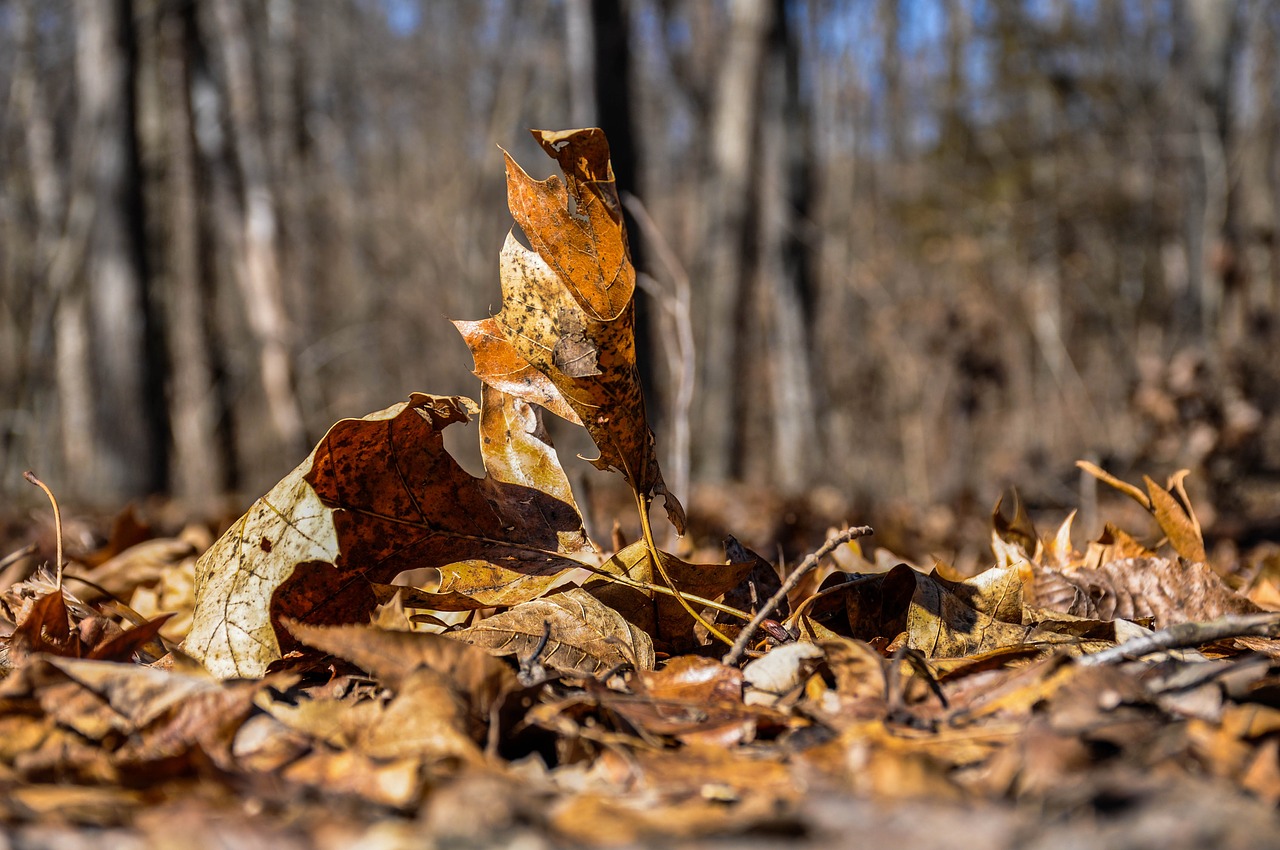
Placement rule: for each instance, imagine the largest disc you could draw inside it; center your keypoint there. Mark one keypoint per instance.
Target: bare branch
(744, 637)
(1186, 635)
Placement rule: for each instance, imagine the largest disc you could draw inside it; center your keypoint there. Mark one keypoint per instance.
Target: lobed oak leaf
(568, 311)
(379, 496)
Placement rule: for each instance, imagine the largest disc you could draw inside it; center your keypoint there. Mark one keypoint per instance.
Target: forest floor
(999, 746)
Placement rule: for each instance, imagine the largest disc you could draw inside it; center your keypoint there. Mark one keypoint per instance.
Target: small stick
(1186, 635)
(57, 518)
(744, 637)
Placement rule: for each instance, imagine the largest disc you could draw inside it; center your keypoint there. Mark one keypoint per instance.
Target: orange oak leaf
(565, 337)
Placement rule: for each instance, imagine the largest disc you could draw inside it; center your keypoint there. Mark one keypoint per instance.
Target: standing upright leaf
(569, 310)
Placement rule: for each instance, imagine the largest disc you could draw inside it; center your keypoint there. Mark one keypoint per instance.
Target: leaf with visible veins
(379, 496)
(566, 334)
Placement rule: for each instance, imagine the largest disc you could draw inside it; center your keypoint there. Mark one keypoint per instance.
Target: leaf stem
(666, 591)
(57, 519)
(642, 504)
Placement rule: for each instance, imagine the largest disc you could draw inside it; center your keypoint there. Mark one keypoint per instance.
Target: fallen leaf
(1176, 519)
(780, 671)
(1166, 590)
(582, 636)
(379, 496)
(482, 680)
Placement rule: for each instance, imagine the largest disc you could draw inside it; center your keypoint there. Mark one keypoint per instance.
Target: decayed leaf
(582, 635)
(568, 309)
(1167, 590)
(378, 496)
(479, 678)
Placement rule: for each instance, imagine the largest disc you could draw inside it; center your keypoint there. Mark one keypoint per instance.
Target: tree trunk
(258, 263)
(200, 466)
(785, 149)
(111, 402)
(728, 193)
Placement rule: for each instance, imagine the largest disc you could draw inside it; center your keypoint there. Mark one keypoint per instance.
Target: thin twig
(744, 637)
(14, 557)
(57, 518)
(1188, 635)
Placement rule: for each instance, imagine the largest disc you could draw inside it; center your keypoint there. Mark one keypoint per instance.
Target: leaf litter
(287, 687)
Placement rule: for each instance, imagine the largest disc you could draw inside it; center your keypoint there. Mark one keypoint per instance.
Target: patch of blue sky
(403, 16)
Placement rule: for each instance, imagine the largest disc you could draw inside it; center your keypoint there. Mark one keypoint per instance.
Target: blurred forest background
(899, 255)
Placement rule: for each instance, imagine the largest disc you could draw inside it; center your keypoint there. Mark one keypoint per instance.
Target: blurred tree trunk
(1269, 97)
(725, 240)
(257, 266)
(109, 394)
(1208, 42)
(895, 115)
(783, 258)
(580, 57)
(28, 353)
(202, 463)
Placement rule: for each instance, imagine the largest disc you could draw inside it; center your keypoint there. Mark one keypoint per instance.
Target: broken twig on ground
(734, 655)
(1187, 635)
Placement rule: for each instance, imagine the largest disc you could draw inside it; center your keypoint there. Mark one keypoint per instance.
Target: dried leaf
(1176, 520)
(1166, 590)
(1123, 486)
(380, 495)
(780, 671)
(696, 700)
(585, 637)
(482, 680)
(664, 618)
(569, 311)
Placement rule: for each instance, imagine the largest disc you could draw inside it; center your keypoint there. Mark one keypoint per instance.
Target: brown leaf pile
(530, 687)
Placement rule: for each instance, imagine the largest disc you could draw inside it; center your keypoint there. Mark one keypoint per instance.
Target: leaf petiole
(642, 504)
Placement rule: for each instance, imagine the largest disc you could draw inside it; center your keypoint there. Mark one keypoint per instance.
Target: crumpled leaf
(582, 635)
(569, 310)
(378, 496)
(1166, 590)
(481, 680)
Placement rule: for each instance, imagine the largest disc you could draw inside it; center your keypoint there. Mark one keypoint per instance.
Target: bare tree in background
(725, 237)
(932, 249)
(108, 392)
